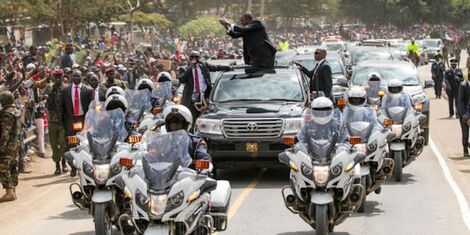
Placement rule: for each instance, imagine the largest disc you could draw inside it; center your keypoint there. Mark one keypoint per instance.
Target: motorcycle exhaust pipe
(76, 196)
(387, 169)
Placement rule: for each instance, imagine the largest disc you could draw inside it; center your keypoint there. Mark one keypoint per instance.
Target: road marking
(246, 192)
(457, 191)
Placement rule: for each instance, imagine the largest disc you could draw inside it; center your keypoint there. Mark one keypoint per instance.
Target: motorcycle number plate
(251, 147)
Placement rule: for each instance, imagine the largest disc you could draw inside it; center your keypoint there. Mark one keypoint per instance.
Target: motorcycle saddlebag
(220, 201)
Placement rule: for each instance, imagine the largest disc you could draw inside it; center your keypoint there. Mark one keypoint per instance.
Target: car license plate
(251, 147)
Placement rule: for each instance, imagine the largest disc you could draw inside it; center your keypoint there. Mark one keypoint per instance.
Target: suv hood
(255, 109)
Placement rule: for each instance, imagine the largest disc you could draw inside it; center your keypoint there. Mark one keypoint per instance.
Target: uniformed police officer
(437, 70)
(56, 130)
(463, 102)
(453, 78)
(10, 126)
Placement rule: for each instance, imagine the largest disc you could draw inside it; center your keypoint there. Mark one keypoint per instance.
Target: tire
(103, 225)
(321, 220)
(363, 203)
(398, 173)
(426, 135)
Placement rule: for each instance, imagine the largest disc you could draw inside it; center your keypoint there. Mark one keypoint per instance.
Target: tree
(202, 27)
(160, 22)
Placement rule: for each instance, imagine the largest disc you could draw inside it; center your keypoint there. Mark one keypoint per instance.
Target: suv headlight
(157, 204)
(321, 174)
(419, 99)
(292, 125)
(209, 126)
(101, 172)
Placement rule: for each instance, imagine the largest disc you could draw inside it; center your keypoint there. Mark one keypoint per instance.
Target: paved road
(423, 204)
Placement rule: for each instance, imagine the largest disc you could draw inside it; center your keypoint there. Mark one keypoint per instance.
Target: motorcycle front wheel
(398, 173)
(321, 219)
(363, 203)
(103, 225)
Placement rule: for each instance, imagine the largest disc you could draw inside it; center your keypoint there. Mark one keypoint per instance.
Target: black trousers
(262, 59)
(438, 86)
(453, 98)
(465, 129)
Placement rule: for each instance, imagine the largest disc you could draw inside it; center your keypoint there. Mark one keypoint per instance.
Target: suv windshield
(404, 73)
(268, 87)
(333, 46)
(335, 65)
(431, 43)
(371, 56)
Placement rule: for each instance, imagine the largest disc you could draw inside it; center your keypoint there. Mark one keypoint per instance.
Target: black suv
(253, 117)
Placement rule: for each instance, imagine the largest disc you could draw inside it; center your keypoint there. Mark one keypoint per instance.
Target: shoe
(9, 196)
(466, 155)
(57, 168)
(64, 166)
(73, 172)
(451, 116)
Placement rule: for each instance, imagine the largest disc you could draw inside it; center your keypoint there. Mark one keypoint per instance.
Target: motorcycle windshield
(139, 102)
(165, 154)
(163, 91)
(397, 106)
(320, 140)
(360, 121)
(103, 130)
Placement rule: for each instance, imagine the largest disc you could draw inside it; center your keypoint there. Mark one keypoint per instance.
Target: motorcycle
(168, 197)
(162, 97)
(374, 93)
(139, 105)
(372, 140)
(95, 153)
(398, 113)
(323, 192)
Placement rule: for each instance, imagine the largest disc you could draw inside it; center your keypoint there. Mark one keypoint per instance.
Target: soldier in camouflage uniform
(10, 125)
(56, 130)
(112, 81)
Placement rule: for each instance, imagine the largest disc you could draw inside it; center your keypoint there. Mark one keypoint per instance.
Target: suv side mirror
(428, 83)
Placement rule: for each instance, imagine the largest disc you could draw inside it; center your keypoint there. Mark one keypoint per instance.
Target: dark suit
(258, 49)
(101, 92)
(186, 78)
(452, 79)
(321, 80)
(68, 117)
(463, 110)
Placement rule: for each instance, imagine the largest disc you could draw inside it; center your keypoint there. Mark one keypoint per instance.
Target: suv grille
(258, 128)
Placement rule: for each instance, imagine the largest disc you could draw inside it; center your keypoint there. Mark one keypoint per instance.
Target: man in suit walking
(99, 91)
(320, 76)
(198, 84)
(76, 98)
(258, 49)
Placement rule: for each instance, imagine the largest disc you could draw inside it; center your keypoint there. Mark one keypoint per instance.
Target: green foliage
(201, 27)
(148, 19)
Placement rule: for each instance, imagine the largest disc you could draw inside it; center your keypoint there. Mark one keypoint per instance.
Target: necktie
(76, 102)
(196, 81)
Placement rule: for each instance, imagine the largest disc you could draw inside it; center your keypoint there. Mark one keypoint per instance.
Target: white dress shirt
(80, 112)
(202, 81)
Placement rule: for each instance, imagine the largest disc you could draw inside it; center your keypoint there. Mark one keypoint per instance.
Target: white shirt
(80, 112)
(96, 91)
(202, 81)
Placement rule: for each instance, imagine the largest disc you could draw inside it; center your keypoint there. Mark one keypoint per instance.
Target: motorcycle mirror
(125, 162)
(202, 164)
(355, 140)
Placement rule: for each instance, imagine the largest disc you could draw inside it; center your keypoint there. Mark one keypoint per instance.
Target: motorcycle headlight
(336, 170)
(101, 172)
(87, 169)
(157, 204)
(372, 146)
(321, 173)
(116, 168)
(397, 129)
(209, 126)
(306, 170)
(361, 148)
(177, 199)
(292, 125)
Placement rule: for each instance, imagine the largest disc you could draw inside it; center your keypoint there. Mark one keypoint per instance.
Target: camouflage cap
(6, 98)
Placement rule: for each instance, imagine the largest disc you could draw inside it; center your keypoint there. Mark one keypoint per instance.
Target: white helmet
(357, 96)
(30, 67)
(395, 86)
(164, 76)
(374, 76)
(145, 83)
(179, 112)
(116, 101)
(322, 110)
(115, 90)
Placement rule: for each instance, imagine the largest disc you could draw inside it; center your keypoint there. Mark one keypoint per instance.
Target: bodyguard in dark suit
(463, 104)
(453, 78)
(99, 91)
(320, 76)
(197, 81)
(258, 49)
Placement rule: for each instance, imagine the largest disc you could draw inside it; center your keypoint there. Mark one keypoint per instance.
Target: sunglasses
(317, 53)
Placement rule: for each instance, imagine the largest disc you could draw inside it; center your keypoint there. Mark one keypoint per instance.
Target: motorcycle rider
(178, 117)
(373, 84)
(395, 92)
(357, 98)
(437, 70)
(453, 77)
(413, 50)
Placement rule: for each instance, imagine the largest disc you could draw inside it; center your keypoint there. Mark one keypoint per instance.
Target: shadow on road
(58, 181)
(37, 177)
(372, 209)
(406, 179)
(74, 214)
